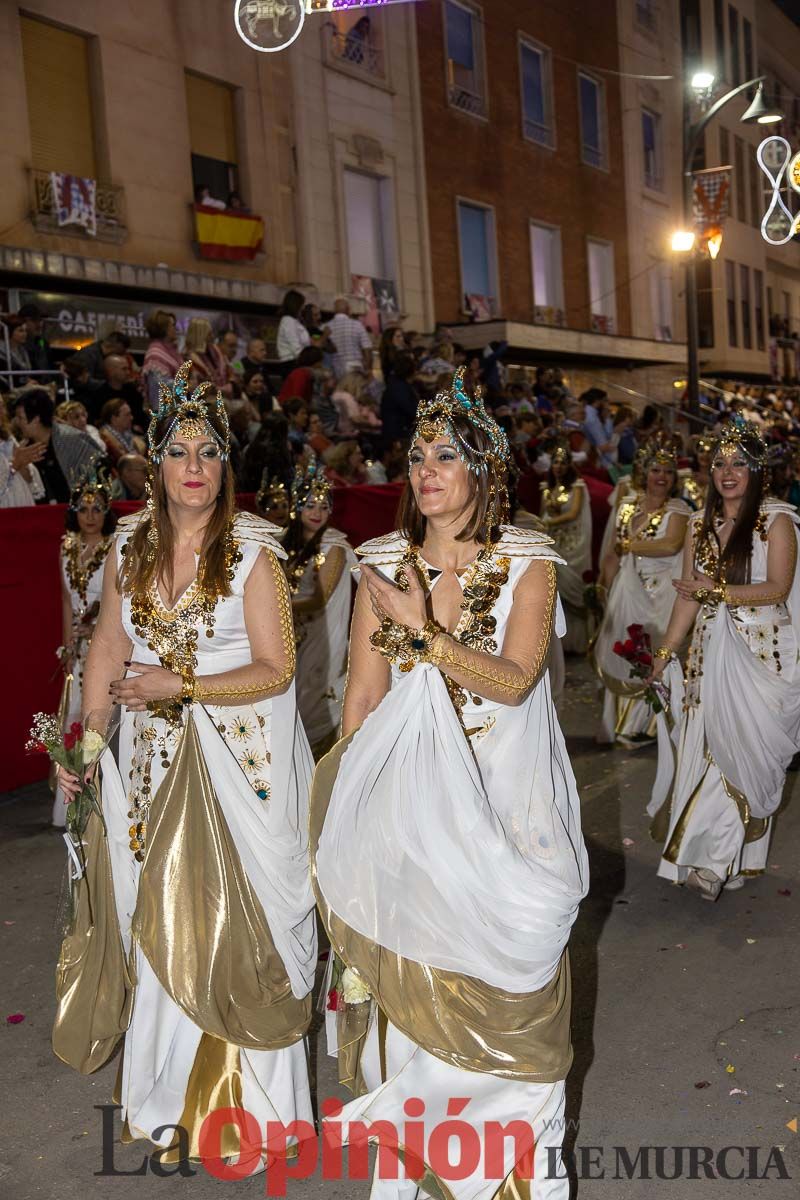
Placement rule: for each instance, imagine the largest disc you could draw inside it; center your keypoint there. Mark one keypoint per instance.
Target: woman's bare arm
(368, 674)
(781, 565)
(329, 575)
(662, 547)
(110, 645)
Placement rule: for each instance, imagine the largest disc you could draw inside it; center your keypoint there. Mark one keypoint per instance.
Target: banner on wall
(75, 201)
(380, 297)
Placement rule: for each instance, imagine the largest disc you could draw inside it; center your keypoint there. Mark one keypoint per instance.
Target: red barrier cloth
(30, 608)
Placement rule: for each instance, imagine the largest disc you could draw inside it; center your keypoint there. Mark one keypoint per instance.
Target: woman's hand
(687, 587)
(71, 784)
(405, 608)
(659, 666)
(23, 456)
(150, 683)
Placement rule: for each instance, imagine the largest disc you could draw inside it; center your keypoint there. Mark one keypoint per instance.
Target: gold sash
(457, 1018)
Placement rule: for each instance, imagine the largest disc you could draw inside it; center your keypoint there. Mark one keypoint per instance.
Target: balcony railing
(466, 101)
(109, 205)
(355, 54)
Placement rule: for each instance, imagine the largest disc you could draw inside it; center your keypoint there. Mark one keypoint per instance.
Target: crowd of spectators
(327, 389)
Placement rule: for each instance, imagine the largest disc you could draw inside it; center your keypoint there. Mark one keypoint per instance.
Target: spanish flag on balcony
(227, 236)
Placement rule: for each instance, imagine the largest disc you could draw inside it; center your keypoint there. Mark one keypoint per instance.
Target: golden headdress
(271, 491)
(190, 415)
(92, 485)
(561, 452)
(309, 484)
(660, 451)
(737, 434)
(434, 417)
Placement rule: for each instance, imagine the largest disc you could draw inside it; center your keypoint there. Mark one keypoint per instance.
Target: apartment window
(719, 38)
(747, 45)
(369, 216)
(355, 43)
(651, 149)
(758, 307)
(730, 302)
(535, 65)
(57, 83)
(466, 85)
(593, 120)
(741, 181)
(476, 232)
(547, 272)
(733, 46)
(744, 294)
(212, 136)
(602, 296)
(661, 302)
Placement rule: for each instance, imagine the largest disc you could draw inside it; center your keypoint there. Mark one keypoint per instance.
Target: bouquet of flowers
(77, 750)
(637, 650)
(346, 988)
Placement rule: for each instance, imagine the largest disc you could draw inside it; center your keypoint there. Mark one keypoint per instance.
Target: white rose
(93, 745)
(353, 989)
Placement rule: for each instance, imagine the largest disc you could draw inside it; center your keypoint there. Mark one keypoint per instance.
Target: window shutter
(212, 127)
(56, 66)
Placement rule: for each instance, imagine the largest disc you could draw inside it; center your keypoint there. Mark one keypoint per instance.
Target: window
(535, 66)
(355, 43)
(733, 46)
(547, 272)
(212, 136)
(60, 113)
(661, 302)
(744, 290)
(730, 302)
(593, 120)
(369, 214)
(741, 181)
(465, 75)
(758, 301)
(476, 234)
(602, 298)
(747, 40)
(651, 148)
(719, 39)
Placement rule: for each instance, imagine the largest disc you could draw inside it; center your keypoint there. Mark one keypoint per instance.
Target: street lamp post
(757, 112)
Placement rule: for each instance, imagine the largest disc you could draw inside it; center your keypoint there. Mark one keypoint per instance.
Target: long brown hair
(735, 560)
(484, 486)
(141, 568)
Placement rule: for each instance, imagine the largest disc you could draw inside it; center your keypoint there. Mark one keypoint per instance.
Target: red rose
(628, 648)
(636, 630)
(618, 648)
(76, 729)
(40, 748)
(333, 1000)
(69, 741)
(645, 659)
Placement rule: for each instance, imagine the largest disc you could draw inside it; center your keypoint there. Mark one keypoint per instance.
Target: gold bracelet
(187, 687)
(665, 652)
(405, 646)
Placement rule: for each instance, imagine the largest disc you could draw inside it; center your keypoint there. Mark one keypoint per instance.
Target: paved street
(669, 993)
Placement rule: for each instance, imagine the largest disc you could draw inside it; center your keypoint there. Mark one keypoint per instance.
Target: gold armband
(665, 652)
(405, 646)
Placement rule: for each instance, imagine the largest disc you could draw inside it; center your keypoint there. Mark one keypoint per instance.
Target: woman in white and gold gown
(567, 517)
(450, 862)
(736, 716)
(638, 574)
(84, 547)
(195, 930)
(318, 569)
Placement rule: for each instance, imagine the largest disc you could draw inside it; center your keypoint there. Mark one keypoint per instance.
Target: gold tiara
(190, 416)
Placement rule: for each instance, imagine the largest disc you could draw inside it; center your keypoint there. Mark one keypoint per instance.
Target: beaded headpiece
(310, 484)
(189, 415)
(703, 443)
(271, 491)
(435, 417)
(660, 451)
(561, 453)
(92, 485)
(739, 435)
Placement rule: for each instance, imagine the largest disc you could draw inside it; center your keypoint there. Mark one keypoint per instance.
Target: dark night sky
(791, 8)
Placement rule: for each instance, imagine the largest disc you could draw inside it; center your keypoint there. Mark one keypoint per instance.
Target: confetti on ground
(731, 1069)
(738, 1092)
(797, 1057)
(680, 945)
(15, 1019)
(628, 842)
(703, 1084)
(751, 941)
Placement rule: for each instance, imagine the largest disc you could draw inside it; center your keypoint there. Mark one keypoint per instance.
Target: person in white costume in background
(638, 574)
(567, 517)
(318, 570)
(736, 717)
(450, 862)
(200, 944)
(84, 547)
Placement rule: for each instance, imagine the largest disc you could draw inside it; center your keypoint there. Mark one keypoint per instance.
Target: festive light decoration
(272, 25)
(774, 156)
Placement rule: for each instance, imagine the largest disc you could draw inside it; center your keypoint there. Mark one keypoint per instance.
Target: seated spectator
(322, 403)
(256, 355)
(355, 414)
(209, 363)
(20, 482)
(94, 355)
(16, 359)
(296, 411)
(292, 333)
(118, 386)
(312, 319)
(256, 390)
(37, 344)
(131, 479)
(268, 453)
(116, 430)
(317, 440)
(352, 341)
(68, 452)
(162, 358)
(344, 464)
(439, 361)
(300, 380)
(228, 344)
(400, 400)
(72, 412)
(203, 197)
(79, 383)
